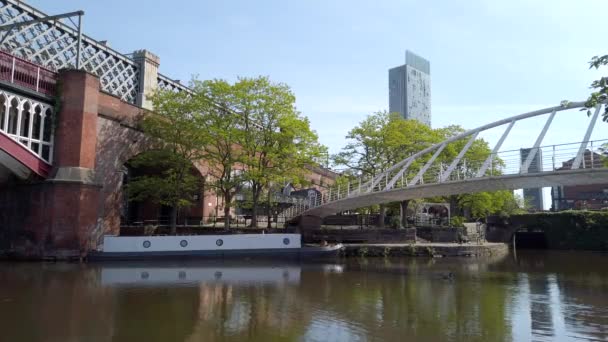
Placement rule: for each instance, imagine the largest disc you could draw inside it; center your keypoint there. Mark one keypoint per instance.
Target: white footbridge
(421, 175)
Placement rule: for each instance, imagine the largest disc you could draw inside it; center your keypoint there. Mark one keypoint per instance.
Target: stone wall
(426, 250)
(360, 235)
(438, 234)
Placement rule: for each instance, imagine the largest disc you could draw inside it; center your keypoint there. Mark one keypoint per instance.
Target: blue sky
(489, 59)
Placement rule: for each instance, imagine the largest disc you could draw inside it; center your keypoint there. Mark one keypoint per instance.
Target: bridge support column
(148, 76)
(72, 190)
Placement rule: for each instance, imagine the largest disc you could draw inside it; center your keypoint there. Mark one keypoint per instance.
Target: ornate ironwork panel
(53, 45)
(166, 83)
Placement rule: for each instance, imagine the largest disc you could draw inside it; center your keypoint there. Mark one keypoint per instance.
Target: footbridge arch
(576, 163)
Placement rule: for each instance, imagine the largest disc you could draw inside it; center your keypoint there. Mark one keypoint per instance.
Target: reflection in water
(545, 296)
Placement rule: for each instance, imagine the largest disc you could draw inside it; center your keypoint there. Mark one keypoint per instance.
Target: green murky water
(542, 296)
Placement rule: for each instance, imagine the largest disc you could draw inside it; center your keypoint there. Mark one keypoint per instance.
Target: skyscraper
(409, 88)
(534, 196)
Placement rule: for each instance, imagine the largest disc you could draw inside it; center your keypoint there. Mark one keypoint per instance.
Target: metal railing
(29, 122)
(425, 168)
(554, 158)
(26, 74)
(54, 46)
(166, 83)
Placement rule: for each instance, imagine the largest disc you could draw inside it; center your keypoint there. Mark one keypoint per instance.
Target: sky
(490, 59)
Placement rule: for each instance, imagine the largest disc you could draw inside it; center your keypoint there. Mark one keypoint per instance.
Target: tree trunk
(254, 206)
(403, 206)
(381, 216)
(174, 220)
(454, 208)
(269, 212)
(227, 202)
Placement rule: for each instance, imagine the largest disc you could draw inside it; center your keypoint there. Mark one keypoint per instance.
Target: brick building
(593, 197)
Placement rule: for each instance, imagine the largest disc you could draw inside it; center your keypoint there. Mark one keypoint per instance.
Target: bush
(572, 229)
(395, 222)
(457, 221)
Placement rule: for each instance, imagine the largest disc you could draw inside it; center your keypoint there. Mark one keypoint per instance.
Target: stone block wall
(444, 235)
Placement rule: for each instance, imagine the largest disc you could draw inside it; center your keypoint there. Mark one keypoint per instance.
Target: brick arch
(146, 210)
(118, 141)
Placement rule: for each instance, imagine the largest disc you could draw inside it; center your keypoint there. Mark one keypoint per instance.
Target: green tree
(482, 204)
(600, 95)
(176, 142)
(223, 129)
(276, 141)
(384, 139)
(381, 140)
(477, 205)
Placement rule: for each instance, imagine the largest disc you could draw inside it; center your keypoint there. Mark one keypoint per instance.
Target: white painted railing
(537, 158)
(29, 122)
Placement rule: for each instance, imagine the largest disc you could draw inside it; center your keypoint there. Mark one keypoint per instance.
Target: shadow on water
(541, 295)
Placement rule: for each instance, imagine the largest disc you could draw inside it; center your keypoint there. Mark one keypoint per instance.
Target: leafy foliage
(482, 204)
(216, 117)
(600, 95)
(576, 229)
(175, 140)
(383, 139)
(257, 138)
(276, 141)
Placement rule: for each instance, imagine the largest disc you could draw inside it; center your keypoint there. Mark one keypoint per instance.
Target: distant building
(410, 89)
(533, 197)
(581, 196)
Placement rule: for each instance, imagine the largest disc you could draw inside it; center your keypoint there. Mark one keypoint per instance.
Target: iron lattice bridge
(53, 45)
(420, 175)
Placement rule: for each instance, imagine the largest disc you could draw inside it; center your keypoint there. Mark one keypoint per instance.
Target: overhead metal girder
(532, 154)
(48, 41)
(39, 20)
(427, 165)
(490, 158)
(10, 27)
(581, 151)
(455, 162)
(399, 174)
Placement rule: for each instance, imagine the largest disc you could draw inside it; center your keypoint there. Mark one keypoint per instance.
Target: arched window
(48, 125)
(13, 114)
(2, 112)
(24, 126)
(36, 129)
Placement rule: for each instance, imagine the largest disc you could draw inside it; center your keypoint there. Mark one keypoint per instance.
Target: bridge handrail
(564, 106)
(17, 70)
(570, 105)
(165, 82)
(586, 154)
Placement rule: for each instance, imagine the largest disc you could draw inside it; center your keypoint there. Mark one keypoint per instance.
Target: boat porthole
(286, 241)
(219, 242)
(147, 244)
(145, 275)
(217, 275)
(181, 275)
(183, 243)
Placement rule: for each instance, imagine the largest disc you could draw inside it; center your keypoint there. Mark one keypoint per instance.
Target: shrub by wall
(584, 230)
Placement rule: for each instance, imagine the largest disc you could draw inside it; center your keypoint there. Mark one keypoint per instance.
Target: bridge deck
(529, 180)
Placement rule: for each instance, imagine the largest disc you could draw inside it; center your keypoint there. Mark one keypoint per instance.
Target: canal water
(537, 296)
